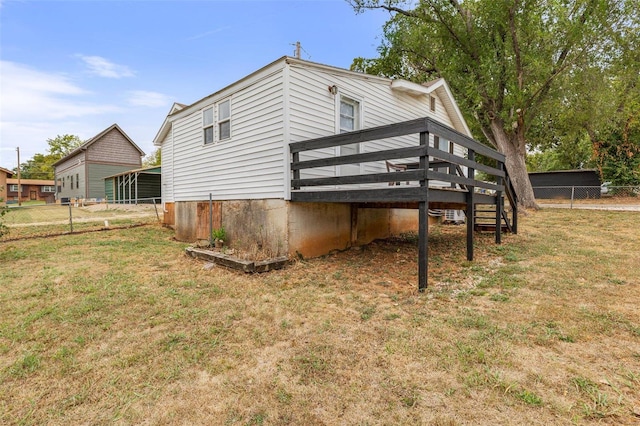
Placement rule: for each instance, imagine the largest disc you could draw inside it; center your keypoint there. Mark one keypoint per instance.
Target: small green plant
(3, 210)
(219, 234)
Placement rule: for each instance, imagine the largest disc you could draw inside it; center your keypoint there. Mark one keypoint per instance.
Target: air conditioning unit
(454, 216)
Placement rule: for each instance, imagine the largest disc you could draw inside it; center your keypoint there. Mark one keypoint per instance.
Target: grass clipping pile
(121, 327)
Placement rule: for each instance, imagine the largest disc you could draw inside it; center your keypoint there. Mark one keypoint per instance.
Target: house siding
(75, 168)
(313, 112)
(113, 148)
(246, 166)
(167, 169)
(97, 173)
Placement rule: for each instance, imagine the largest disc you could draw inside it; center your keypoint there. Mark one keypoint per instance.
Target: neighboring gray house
(233, 145)
(81, 173)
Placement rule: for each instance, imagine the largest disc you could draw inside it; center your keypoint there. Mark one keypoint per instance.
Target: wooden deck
(457, 188)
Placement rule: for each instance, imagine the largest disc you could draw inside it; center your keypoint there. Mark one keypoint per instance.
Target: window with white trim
(349, 114)
(13, 188)
(47, 188)
(432, 103)
(207, 125)
(224, 120)
(349, 119)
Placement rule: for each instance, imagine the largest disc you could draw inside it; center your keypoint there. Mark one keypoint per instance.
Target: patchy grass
(122, 327)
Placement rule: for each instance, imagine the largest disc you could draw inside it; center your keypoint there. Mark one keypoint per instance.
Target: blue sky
(76, 67)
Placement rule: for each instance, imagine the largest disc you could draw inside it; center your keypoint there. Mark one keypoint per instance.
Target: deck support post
(423, 245)
(354, 224)
(499, 206)
(471, 214)
(423, 221)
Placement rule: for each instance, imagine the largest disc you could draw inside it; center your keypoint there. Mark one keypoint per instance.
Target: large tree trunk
(513, 146)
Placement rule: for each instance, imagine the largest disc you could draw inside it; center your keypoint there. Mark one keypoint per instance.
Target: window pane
(208, 135)
(346, 109)
(224, 110)
(207, 117)
(225, 130)
(349, 112)
(346, 124)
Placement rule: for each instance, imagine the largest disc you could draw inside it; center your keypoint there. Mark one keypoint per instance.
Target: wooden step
(486, 227)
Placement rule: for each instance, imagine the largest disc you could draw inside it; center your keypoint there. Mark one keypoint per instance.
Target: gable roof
(86, 144)
(8, 172)
(438, 86)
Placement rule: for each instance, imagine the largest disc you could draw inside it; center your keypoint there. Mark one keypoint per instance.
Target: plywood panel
(169, 218)
(203, 219)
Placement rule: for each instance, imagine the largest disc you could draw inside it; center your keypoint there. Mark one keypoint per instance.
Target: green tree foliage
(61, 146)
(599, 108)
(618, 155)
(41, 165)
(505, 60)
(153, 159)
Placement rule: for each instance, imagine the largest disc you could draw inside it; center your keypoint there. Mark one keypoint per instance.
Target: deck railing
(427, 162)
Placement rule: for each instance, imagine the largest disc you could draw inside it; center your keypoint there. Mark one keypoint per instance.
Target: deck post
(471, 214)
(499, 206)
(354, 224)
(423, 245)
(423, 221)
(296, 172)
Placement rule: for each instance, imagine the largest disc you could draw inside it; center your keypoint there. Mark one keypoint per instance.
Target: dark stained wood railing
(427, 160)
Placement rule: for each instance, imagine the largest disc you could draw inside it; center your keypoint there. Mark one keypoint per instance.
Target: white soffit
(409, 87)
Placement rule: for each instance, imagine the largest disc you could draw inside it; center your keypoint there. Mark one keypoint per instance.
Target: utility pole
(19, 186)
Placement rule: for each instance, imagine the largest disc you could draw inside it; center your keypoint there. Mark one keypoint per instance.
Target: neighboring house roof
(8, 172)
(41, 182)
(94, 139)
(566, 171)
(154, 170)
(438, 86)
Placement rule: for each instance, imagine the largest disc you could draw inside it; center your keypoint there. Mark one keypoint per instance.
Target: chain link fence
(588, 195)
(41, 220)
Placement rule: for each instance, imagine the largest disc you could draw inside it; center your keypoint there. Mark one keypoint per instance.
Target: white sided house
(226, 158)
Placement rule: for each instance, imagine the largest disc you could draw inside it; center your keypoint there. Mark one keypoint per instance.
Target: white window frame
(433, 101)
(13, 188)
(223, 120)
(48, 188)
(358, 102)
(208, 125)
(357, 119)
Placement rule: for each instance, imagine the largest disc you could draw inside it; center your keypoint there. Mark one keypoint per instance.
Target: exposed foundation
(282, 228)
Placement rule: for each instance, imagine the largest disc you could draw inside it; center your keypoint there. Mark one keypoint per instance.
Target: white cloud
(31, 95)
(148, 99)
(104, 68)
(37, 105)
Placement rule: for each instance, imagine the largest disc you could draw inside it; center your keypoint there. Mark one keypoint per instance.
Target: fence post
(70, 218)
(573, 189)
(155, 206)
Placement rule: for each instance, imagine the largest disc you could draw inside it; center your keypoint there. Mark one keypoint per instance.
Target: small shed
(134, 186)
(561, 184)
